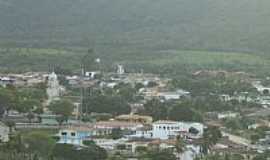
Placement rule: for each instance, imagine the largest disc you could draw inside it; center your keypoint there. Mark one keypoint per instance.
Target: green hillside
(172, 62)
(217, 25)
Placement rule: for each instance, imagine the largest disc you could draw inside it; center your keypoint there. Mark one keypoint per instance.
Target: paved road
(260, 113)
(237, 139)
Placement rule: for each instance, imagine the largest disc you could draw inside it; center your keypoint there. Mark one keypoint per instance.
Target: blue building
(74, 135)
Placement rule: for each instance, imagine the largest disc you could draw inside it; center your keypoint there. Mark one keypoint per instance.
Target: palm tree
(210, 138)
(180, 146)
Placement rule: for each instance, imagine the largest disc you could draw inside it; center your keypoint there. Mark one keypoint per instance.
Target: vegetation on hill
(174, 63)
(229, 25)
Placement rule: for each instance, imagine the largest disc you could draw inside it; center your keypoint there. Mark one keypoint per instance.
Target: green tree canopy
(183, 112)
(62, 108)
(70, 152)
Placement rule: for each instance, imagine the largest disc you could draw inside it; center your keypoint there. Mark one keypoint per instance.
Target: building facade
(4, 133)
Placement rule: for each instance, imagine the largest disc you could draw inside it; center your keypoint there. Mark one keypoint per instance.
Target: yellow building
(135, 118)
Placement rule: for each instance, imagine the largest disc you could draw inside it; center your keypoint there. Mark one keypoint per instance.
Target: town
(135, 115)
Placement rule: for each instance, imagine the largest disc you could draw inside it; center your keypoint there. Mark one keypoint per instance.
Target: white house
(4, 81)
(4, 133)
(169, 129)
(92, 74)
(174, 95)
(74, 135)
(227, 115)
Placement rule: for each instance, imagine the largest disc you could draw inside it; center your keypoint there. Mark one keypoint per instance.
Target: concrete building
(74, 135)
(54, 89)
(109, 125)
(92, 74)
(4, 81)
(174, 95)
(135, 118)
(171, 129)
(4, 133)
(227, 115)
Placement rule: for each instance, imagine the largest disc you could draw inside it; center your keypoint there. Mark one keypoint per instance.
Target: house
(108, 144)
(136, 107)
(4, 81)
(103, 128)
(227, 115)
(92, 74)
(73, 80)
(240, 97)
(170, 129)
(264, 143)
(114, 124)
(75, 135)
(4, 133)
(174, 95)
(225, 146)
(135, 118)
(144, 132)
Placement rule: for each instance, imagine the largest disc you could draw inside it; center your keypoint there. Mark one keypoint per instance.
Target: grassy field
(40, 59)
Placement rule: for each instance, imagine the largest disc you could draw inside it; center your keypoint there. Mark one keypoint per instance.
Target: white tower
(120, 69)
(54, 88)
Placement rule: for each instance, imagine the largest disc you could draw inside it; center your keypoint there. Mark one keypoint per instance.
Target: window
(64, 133)
(73, 134)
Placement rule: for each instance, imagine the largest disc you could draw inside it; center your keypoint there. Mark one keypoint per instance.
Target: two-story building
(170, 129)
(74, 135)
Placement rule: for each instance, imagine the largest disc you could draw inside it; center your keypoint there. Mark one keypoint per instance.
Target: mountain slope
(229, 25)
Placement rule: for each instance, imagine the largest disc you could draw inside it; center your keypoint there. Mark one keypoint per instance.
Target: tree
(112, 104)
(126, 91)
(158, 155)
(38, 111)
(262, 156)
(62, 108)
(70, 152)
(7, 99)
(156, 109)
(180, 145)
(138, 86)
(39, 143)
(141, 149)
(117, 157)
(116, 133)
(10, 124)
(183, 112)
(30, 116)
(210, 137)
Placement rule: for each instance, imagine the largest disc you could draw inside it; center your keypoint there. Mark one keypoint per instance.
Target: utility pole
(82, 87)
(81, 91)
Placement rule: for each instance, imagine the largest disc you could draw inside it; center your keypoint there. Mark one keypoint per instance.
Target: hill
(216, 25)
